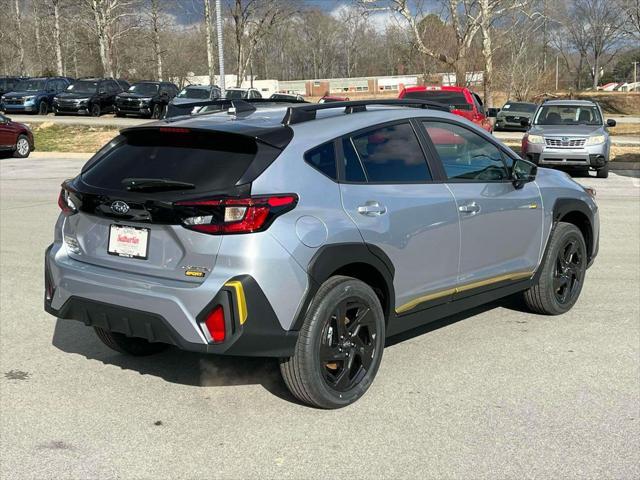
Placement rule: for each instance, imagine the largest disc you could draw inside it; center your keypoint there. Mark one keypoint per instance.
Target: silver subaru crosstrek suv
(310, 233)
(569, 133)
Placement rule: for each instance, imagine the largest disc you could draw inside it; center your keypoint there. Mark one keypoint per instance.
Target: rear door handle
(470, 208)
(372, 209)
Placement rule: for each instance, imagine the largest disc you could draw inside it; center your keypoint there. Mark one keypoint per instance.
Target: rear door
(388, 191)
(501, 226)
(110, 213)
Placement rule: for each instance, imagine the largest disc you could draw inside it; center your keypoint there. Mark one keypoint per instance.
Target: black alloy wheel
(561, 275)
(339, 347)
(569, 272)
(348, 344)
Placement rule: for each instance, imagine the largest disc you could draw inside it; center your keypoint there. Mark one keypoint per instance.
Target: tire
(95, 110)
(157, 111)
(353, 361)
(23, 147)
(43, 108)
(603, 172)
(563, 272)
(138, 347)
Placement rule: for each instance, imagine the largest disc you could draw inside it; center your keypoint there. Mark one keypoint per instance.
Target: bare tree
(209, 39)
(155, 28)
(492, 11)
(19, 35)
(464, 20)
(108, 19)
(55, 4)
(252, 21)
(631, 11)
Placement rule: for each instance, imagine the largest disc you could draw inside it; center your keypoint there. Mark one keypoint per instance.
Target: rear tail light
(215, 324)
(66, 203)
(235, 215)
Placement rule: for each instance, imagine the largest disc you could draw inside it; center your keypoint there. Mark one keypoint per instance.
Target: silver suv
(310, 233)
(569, 133)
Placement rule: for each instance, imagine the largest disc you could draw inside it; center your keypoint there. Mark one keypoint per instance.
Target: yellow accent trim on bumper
(462, 288)
(240, 299)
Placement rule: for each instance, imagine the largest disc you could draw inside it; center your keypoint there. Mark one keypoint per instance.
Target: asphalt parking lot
(497, 393)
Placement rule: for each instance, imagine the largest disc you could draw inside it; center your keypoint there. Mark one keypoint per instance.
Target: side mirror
(492, 112)
(525, 122)
(611, 122)
(523, 172)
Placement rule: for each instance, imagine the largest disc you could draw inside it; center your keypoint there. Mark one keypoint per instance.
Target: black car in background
(89, 96)
(147, 99)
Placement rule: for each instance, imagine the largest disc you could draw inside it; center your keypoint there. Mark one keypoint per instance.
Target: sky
(187, 12)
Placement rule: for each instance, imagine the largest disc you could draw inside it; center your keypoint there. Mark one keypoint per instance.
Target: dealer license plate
(131, 242)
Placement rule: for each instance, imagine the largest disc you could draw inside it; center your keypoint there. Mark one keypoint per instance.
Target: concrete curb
(624, 165)
(57, 155)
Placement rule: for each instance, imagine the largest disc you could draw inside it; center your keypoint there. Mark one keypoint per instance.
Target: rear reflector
(215, 324)
(234, 215)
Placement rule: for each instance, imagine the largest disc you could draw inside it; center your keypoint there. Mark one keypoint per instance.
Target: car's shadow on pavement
(187, 368)
(173, 365)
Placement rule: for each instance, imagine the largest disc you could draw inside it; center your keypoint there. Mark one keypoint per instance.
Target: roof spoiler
(305, 113)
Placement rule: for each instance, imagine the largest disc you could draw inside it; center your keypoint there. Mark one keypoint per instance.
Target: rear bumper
(158, 316)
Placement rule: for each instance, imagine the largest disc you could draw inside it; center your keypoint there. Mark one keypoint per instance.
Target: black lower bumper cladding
(259, 336)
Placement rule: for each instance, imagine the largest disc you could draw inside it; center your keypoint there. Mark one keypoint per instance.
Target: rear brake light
(65, 202)
(215, 324)
(174, 130)
(235, 215)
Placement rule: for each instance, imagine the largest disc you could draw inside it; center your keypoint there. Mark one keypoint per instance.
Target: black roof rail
(240, 105)
(304, 113)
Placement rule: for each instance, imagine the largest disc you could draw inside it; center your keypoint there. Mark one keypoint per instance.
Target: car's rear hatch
(126, 197)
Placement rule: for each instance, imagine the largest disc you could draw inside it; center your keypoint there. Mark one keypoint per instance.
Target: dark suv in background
(89, 96)
(7, 84)
(34, 95)
(147, 99)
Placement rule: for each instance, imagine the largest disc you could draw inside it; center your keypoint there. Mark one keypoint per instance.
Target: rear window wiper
(133, 184)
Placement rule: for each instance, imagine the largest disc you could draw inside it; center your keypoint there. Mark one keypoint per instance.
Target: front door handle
(470, 208)
(372, 209)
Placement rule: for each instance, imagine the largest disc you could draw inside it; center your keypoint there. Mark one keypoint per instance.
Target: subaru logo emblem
(565, 139)
(120, 207)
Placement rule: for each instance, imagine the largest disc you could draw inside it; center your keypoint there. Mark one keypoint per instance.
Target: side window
(478, 103)
(391, 154)
(466, 155)
(112, 86)
(353, 171)
(323, 158)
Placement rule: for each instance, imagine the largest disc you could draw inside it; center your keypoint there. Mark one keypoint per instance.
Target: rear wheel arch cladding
(345, 259)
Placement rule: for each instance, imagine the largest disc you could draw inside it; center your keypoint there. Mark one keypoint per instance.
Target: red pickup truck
(460, 100)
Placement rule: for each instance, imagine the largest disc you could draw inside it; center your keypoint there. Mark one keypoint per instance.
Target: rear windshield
(83, 87)
(235, 94)
(454, 100)
(520, 107)
(144, 88)
(200, 93)
(209, 160)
